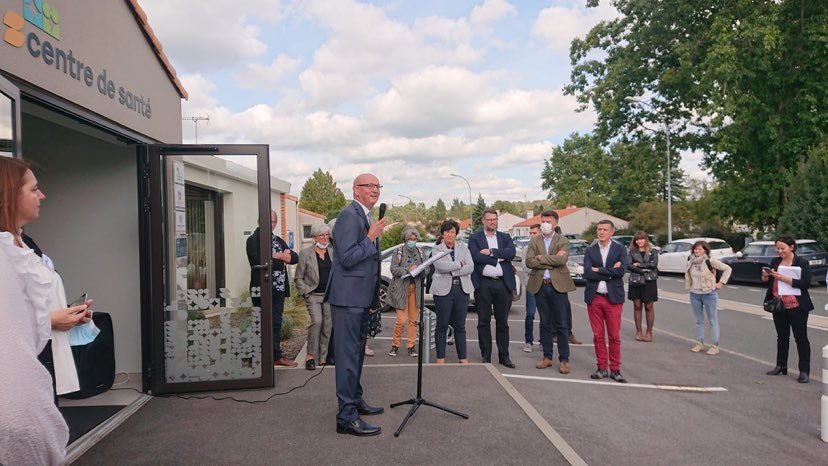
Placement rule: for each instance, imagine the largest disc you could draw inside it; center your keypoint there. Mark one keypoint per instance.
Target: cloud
(255, 75)
(558, 25)
(490, 11)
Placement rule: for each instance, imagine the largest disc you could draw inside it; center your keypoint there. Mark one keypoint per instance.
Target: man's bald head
(367, 189)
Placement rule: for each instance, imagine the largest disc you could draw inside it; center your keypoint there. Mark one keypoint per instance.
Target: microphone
(382, 209)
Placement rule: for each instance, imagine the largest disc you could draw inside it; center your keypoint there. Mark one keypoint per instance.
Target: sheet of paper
(784, 288)
(434, 257)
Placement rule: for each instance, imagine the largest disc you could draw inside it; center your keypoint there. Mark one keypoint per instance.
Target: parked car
(625, 240)
(577, 247)
(747, 264)
(673, 256)
(385, 272)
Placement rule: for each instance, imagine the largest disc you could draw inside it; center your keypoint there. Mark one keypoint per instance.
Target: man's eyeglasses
(370, 186)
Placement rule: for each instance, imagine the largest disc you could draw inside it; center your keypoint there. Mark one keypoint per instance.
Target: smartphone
(80, 301)
(767, 270)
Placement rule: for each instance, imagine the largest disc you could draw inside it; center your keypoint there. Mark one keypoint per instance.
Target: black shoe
(778, 370)
(357, 427)
(803, 377)
(310, 364)
(508, 363)
(412, 352)
(487, 360)
(366, 410)
(599, 374)
(329, 362)
(616, 375)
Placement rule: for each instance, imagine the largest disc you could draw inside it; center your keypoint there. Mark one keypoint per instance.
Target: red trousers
(605, 318)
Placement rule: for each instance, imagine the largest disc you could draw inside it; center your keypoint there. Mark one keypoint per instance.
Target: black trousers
(493, 297)
(796, 320)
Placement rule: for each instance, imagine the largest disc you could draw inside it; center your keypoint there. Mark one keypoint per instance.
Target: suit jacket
(505, 250)
(446, 269)
(355, 267)
(614, 276)
(555, 264)
(307, 270)
(803, 283)
(254, 253)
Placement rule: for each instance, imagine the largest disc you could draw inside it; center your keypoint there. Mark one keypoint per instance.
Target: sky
(412, 91)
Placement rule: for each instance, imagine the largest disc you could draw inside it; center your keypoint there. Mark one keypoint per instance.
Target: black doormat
(82, 419)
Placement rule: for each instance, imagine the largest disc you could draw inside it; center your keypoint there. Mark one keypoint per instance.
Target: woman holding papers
(790, 277)
(404, 291)
(451, 288)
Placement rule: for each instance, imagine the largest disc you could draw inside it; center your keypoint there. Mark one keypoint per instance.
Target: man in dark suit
(494, 281)
(353, 293)
(280, 255)
(604, 266)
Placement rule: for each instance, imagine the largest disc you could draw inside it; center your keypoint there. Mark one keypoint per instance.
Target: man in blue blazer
(353, 293)
(604, 266)
(494, 282)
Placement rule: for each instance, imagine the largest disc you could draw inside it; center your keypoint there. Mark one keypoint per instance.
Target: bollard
(824, 426)
(430, 325)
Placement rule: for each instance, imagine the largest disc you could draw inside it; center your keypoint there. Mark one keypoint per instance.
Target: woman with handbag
(700, 279)
(643, 290)
(795, 309)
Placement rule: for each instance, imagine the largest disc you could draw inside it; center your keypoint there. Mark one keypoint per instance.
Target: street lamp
(669, 180)
(471, 216)
(409, 199)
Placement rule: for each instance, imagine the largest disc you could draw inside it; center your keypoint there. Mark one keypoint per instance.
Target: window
(754, 250)
(719, 245)
(306, 231)
(809, 248)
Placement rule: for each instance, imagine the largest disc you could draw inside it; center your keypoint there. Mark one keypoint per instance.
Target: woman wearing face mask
(451, 288)
(404, 293)
(700, 279)
(312, 272)
(794, 315)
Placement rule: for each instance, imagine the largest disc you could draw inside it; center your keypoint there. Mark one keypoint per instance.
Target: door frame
(154, 255)
(11, 91)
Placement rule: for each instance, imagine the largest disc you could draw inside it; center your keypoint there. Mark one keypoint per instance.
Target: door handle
(264, 266)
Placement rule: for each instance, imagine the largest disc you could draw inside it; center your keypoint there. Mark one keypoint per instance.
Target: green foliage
(459, 209)
(515, 208)
(393, 235)
(320, 194)
(295, 314)
(477, 221)
(438, 212)
(805, 214)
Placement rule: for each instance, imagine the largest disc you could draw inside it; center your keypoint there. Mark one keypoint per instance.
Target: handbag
(375, 324)
(773, 305)
(650, 276)
(636, 279)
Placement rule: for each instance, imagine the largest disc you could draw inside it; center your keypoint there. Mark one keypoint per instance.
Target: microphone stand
(418, 399)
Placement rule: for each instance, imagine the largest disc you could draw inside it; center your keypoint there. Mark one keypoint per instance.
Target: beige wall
(103, 36)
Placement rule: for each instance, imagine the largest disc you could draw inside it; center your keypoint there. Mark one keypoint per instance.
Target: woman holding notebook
(790, 276)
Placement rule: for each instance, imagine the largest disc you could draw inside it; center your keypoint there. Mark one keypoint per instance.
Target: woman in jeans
(312, 272)
(643, 263)
(796, 309)
(700, 279)
(451, 287)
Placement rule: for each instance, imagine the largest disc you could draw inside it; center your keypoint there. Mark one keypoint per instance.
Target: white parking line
(815, 327)
(675, 388)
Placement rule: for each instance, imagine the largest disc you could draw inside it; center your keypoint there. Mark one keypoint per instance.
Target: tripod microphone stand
(418, 399)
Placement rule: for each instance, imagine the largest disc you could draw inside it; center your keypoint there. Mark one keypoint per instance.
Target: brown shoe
(564, 369)
(638, 336)
(545, 362)
(284, 362)
(648, 337)
(573, 340)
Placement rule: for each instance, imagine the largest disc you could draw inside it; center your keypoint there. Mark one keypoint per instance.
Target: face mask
(320, 245)
(411, 244)
(546, 228)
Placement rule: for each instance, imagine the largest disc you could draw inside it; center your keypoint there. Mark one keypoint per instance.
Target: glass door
(206, 320)
(10, 143)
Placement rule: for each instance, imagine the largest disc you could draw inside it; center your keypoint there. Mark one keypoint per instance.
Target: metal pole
(669, 187)
(471, 215)
(824, 417)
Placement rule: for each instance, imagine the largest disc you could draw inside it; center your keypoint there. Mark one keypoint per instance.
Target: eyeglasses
(370, 186)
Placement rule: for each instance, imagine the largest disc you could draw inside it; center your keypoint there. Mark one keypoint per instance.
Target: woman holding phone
(20, 198)
(796, 308)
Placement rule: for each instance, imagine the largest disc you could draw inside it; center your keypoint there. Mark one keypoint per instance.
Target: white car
(385, 272)
(673, 257)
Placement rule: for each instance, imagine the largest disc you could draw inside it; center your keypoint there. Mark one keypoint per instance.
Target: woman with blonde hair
(643, 289)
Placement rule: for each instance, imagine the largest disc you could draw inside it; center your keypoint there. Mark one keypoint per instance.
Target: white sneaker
(714, 350)
(527, 348)
(698, 348)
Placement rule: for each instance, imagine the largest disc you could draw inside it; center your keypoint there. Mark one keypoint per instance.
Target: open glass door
(10, 143)
(206, 321)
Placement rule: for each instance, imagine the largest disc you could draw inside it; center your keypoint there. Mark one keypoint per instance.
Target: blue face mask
(411, 244)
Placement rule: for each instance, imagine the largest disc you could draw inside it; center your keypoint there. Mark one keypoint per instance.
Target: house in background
(572, 220)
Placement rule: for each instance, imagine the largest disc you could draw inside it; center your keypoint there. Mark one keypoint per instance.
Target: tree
(478, 213)
(805, 215)
(438, 212)
(570, 173)
(739, 80)
(320, 194)
(508, 206)
(459, 209)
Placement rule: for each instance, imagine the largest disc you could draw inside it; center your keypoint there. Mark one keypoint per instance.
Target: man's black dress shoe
(599, 374)
(778, 370)
(358, 427)
(487, 360)
(616, 375)
(366, 410)
(508, 363)
(803, 377)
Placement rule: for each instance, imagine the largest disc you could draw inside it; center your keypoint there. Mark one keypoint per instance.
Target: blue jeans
(706, 302)
(529, 336)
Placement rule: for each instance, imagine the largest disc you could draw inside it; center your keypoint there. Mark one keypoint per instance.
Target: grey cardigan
(307, 270)
(445, 269)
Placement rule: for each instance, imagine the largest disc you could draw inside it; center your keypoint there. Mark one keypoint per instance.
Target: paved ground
(679, 407)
